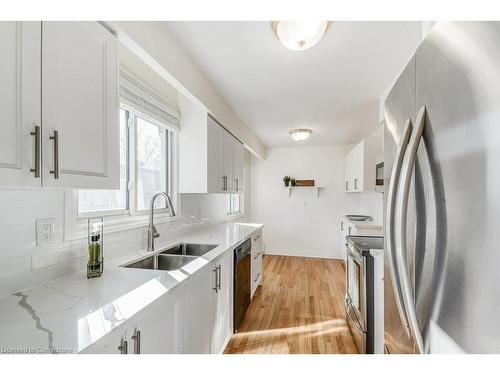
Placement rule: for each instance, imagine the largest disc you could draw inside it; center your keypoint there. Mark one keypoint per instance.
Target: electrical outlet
(45, 231)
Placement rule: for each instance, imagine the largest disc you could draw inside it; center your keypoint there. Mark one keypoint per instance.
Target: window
(145, 160)
(233, 204)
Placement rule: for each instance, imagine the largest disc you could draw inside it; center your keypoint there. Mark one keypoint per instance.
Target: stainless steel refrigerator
(442, 200)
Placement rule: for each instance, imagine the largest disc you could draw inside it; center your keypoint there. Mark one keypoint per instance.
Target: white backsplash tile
(23, 264)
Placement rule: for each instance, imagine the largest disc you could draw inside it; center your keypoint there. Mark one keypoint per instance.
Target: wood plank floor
(298, 309)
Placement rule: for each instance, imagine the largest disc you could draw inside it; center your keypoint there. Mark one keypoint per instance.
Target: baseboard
(306, 254)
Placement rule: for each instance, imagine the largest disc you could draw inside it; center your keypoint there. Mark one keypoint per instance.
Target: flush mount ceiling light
(300, 134)
(299, 35)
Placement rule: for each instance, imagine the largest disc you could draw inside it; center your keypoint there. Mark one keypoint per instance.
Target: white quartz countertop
(369, 224)
(73, 312)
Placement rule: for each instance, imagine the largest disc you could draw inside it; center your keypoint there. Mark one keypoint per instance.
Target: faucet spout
(152, 232)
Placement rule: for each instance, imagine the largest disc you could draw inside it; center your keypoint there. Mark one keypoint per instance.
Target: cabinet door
(160, 326)
(19, 101)
(80, 102)
(227, 160)
(348, 172)
(342, 234)
(357, 169)
(215, 134)
(238, 162)
(223, 323)
(199, 300)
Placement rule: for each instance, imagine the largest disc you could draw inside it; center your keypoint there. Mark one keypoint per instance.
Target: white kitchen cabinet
(238, 165)
(199, 300)
(210, 158)
(223, 322)
(256, 262)
(360, 164)
(215, 147)
(20, 43)
(79, 106)
(208, 307)
(227, 162)
(58, 79)
(157, 329)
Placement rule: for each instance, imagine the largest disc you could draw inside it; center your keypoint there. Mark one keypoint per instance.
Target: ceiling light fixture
(300, 134)
(299, 35)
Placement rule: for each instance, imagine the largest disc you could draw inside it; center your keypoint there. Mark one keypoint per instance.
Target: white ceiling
(332, 88)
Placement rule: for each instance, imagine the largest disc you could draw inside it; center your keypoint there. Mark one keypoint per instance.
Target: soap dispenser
(95, 265)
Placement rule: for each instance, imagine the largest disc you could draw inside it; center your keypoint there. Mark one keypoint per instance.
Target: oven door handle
(402, 205)
(390, 218)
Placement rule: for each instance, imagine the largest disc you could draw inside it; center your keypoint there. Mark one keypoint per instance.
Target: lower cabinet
(256, 262)
(156, 329)
(208, 307)
(196, 317)
(223, 324)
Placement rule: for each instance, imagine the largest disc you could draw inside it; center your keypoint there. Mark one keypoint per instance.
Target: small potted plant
(286, 180)
(292, 181)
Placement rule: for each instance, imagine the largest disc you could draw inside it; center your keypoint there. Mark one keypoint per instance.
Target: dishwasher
(241, 282)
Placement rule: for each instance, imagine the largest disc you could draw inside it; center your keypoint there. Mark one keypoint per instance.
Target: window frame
(131, 212)
(229, 205)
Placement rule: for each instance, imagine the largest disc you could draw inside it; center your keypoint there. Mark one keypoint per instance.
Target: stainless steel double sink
(172, 258)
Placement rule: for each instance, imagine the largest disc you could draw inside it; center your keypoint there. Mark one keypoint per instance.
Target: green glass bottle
(94, 264)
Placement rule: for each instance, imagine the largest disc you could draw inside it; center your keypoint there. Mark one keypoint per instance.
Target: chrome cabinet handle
(390, 238)
(402, 209)
(219, 276)
(216, 279)
(257, 278)
(55, 138)
(341, 225)
(36, 134)
(347, 185)
(123, 348)
(355, 183)
(137, 341)
(224, 182)
(237, 184)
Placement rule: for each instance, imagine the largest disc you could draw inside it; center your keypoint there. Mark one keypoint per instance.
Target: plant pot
(287, 184)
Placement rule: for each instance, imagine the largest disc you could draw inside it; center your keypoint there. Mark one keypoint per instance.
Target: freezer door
(399, 108)
(457, 261)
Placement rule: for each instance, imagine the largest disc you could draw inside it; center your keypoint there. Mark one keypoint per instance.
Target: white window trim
(75, 224)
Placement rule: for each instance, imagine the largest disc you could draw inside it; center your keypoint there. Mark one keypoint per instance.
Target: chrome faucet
(152, 232)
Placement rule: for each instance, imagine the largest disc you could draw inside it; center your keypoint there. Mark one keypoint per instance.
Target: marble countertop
(72, 312)
(363, 224)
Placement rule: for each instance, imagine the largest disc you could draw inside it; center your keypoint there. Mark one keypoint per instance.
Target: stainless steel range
(365, 292)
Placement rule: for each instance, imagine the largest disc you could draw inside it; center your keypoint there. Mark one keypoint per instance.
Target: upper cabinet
(360, 164)
(20, 100)
(80, 103)
(210, 158)
(61, 125)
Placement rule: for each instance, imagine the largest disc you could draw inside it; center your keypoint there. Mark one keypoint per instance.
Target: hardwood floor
(298, 309)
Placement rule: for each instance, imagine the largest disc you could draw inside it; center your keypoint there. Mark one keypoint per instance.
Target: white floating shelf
(314, 189)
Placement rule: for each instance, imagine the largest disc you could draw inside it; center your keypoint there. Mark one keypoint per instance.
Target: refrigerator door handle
(390, 238)
(402, 205)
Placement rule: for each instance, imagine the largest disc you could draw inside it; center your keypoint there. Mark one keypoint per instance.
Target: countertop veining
(72, 312)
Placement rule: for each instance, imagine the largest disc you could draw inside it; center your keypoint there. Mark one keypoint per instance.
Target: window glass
(109, 200)
(151, 146)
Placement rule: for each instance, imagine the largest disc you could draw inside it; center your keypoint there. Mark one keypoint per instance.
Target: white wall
(303, 225)
(23, 264)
